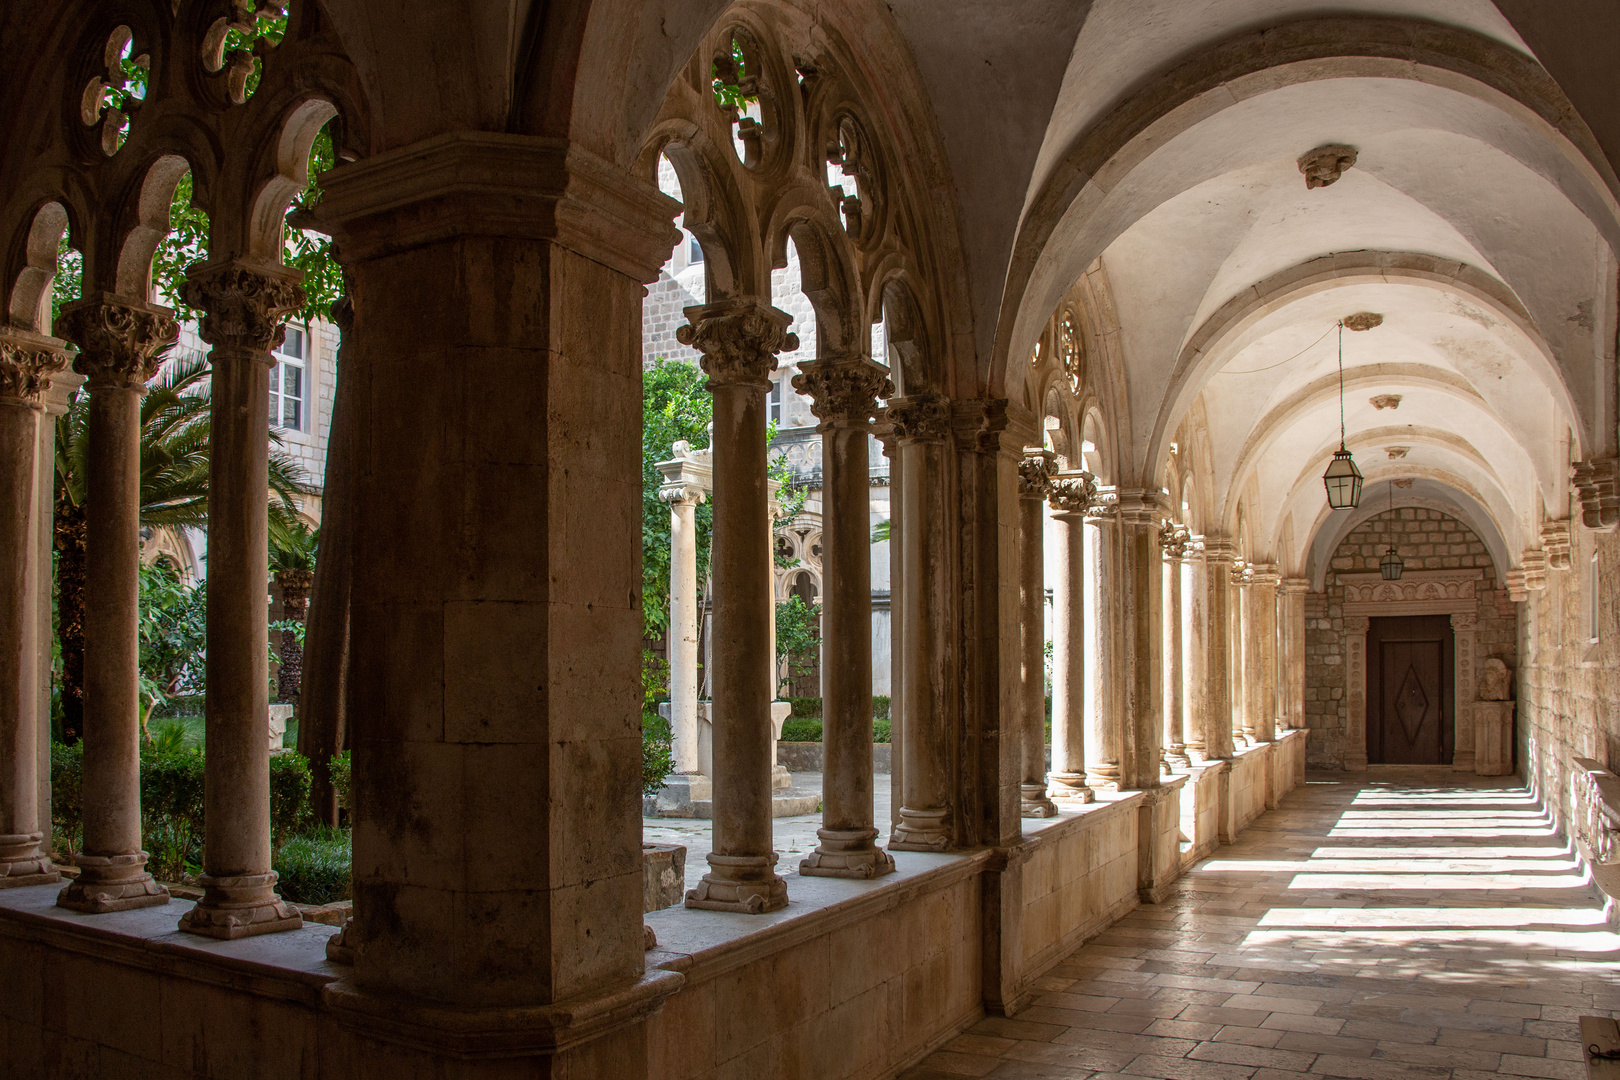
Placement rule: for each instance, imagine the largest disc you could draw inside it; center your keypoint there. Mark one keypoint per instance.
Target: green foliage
(286, 626)
(798, 634)
(675, 406)
(343, 779)
(168, 737)
(881, 731)
(294, 548)
(657, 753)
(805, 730)
(880, 531)
(67, 805)
(289, 796)
(172, 812)
(880, 707)
(68, 284)
(173, 633)
(732, 89)
(186, 243)
(316, 868)
(804, 707)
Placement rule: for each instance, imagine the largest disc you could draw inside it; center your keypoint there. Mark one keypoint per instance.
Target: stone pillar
(1242, 652)
(1071, 495)
(1291, 651)
(683, 496)
(1104, 720)
(1465, 629)
(843, 392)
(1034, 483)
(119, 342)
(739, 340)
(1261, 633)
(27, 364)
(1174, 541)
(243, 311)
(55, 403)
(897, 645)
(1355, 692)
(1218, 559)
(1194, 651)
(918, 554)
(1141, 615)
(496, 611)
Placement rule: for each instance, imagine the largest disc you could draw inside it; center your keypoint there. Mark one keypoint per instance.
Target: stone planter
(279, 715)
(663, 876)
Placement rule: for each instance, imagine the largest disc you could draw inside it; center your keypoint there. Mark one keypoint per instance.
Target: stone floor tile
(1265, 1057)
(1358, 1068)
(1154, 1006)
(1299, 1006)
(1316, 1025)
(1543, 1066)
(1502, 1044)
(1249, 1036)
(946, 1063)
(1182, 1029)
(1016, 1029)
(1180, 1068)
(1326, 1044)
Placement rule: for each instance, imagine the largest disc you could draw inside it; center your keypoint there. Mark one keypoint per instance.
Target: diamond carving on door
(1411, 704)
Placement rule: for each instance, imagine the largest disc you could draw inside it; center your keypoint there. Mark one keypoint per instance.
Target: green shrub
(805, 708)
(315, 868)
(67, 818)
(881, 732)
(343, 780)
(880, 708)
(289, 796)
(657, 752)
(172, 812)
(802, 730)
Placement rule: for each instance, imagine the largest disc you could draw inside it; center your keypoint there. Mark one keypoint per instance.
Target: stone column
(1194, 650)
(1355, 692)
(918, 553)
(739, 340)
(683, 496)
(1218, 558)
(1174, 541)
(243, 311)
(1465, 629)
(1141, 615)
(1103, 717)
(1262, 673)
(27, 363)
(1291, 653)
(1242, 652)
(1034, 484)
(843, 393)
(55, 403)
(119, 344)
(1071, 495)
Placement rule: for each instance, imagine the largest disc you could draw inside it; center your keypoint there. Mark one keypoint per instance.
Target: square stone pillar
(1355, 692)
(497, 287)
(1465, 629)
(1141, 615)
(1291, 651)
(1260, 630)
(1218, 559)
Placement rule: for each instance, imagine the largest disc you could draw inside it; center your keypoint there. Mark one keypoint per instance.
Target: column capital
(1141, 507)
(1218, 549)
(1035, 471)
(843, 390)
(244, 306)
(1597, 486)
(1464, 620)
(980, 424)
(119, 339)
(681, 494)
(1071, 493)
(1175, 540)
(739, 340)
(1104, 504)
(918, 418)
(1294, 585)
(1356, 624)
(28, 362)
(1265, 575)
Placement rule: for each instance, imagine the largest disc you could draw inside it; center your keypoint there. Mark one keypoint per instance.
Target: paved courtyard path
(1400, 923)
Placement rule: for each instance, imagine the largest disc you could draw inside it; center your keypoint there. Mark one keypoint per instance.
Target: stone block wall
(1427, 540)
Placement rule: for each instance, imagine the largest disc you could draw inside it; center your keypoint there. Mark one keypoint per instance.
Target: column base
(239, 907)
(1463, 761)
(22, 862)
(1033, 803)
(1070, 787)
(847, 853)
(111, 883)
(1106, 775)
(1177, 755)
(741, 883)
(921, 830)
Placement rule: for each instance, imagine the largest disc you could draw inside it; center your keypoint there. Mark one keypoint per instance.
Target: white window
(288, 382)
(774, 402)
(694, 250)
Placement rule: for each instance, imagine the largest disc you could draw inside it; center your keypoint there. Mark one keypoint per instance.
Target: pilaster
(1141, 614)
(1355, 692)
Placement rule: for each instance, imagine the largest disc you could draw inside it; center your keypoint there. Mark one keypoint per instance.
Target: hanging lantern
(1391, 565)
(1342, 479)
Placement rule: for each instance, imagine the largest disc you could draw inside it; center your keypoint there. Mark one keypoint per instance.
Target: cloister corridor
(1399, 922)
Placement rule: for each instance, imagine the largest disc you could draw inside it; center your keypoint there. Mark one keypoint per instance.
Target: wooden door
(1409, 690)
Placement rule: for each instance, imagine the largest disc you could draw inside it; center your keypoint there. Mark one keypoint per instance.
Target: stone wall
(1426, 540)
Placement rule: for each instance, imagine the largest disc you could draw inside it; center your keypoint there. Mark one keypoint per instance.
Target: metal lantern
(1391, 565)
(1343, 481)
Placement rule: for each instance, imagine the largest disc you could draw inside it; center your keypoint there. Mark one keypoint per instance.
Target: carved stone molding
(1323, 166)
(1218, 551)
(1264, 574)
(844, 391)
(1595, 792)
(1418, 592)
(1597, 486)
(1175, 540)
(1555, 541)
(681, 492)
(739, 340)
(1142, 507)
(1516, 588)
(119, 340)
(27, 364)
(244, 306)
(1104, 504)
(919, 418)
(979, 423)
(1385, 401)
(1035, 471)
(1535, 569)
(1072, 493)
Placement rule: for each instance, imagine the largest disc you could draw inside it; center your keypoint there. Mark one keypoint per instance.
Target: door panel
(1409, 684)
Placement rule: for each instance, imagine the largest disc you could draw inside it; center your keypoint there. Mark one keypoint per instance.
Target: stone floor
(1385, 924)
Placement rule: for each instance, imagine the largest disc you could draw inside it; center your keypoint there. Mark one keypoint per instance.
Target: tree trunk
(295, 586)
(70, 547)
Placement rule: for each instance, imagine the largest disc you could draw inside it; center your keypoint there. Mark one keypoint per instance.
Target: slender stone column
(55, 403)
(1141, 613)
(1034, 484)
(1071, 494)
(739, 340)
(843, 392)
(1218, 559)
(119, 341)
(1291, 654)
(683, 499)
(27, 363)
(1243, 654)
(1194, 682)
(1175, 540)
(921, 424)
(897, 645)
(1104, 719)
(244, 307)
(1262, 644)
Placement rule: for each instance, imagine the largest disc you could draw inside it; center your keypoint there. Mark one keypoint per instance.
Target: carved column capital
(1290, 586)
(918, 418)
(1104, 505)
(244, 306)
(979, 424)
(1072, 492)
(1175, 540)
(1356, 624)
(1597, 486)
(119, 339)
(843, 391)
(1265, 575)
(1035, 471)
(1464, 620)
(680, 493)
(27, 364)
(739, 340)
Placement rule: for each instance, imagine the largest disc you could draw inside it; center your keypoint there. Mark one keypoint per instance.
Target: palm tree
(292, 561)
(175, 440)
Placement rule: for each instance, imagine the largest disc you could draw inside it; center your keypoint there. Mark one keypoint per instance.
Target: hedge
(810, 730)
(316, 868)
(808, 708)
